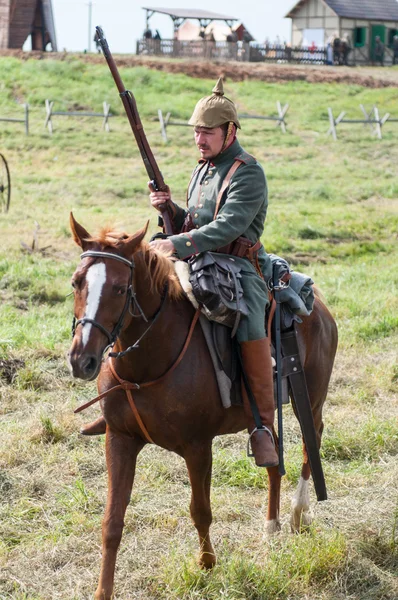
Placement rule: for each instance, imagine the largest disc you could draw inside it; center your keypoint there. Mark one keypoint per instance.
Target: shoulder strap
(225, 184)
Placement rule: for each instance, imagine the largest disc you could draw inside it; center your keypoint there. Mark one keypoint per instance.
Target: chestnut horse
(126, 290)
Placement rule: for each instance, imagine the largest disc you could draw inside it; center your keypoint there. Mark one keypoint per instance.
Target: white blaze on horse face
(96, 277)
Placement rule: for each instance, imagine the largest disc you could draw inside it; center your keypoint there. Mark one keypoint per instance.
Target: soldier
(242, 213)
(379, 51)
(395, 50)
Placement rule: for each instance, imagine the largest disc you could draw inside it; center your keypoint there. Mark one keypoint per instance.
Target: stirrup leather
(249, 445)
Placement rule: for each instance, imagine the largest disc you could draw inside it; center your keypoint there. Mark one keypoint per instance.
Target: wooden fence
(371, 118)
(240, 51)
(279, 119)
(60, 113)
(25, 120)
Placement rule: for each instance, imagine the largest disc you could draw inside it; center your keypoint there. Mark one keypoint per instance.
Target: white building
(360, 21)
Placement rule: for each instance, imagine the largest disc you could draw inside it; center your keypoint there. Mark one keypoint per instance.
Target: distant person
(157, 35)
(336, 51)
(148, 34)
(395, 50)
(288, 52)
(345, 50)
(379, 51)
(329, 53)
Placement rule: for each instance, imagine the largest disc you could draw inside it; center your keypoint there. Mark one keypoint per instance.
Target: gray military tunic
(242, 213)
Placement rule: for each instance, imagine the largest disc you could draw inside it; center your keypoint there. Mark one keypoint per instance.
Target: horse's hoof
(300, 522)
(271, 527)
(207, 560)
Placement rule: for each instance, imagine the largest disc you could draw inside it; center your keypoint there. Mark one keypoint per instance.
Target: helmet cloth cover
(215, 110)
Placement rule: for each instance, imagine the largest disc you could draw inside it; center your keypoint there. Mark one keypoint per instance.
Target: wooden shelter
(359, 21)
(20, 19)
(180, 15)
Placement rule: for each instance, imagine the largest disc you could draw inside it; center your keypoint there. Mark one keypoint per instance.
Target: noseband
(130, 298)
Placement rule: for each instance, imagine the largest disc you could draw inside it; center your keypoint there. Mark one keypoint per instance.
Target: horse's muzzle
(84, 366)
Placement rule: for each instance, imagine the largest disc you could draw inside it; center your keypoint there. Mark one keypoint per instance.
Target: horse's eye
(121, 291)
(73, 284)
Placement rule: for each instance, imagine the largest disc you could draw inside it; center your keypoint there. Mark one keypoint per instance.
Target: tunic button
(197, 226)
(206, 182)
(196, 215)
(202, 194)
(200, 206)
(188, 244)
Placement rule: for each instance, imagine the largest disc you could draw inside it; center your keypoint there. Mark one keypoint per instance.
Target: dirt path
(372, 77)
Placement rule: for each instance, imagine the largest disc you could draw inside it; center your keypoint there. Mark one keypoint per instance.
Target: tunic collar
(226, 156)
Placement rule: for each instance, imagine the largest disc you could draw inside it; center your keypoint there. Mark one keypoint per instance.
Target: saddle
(224, 350)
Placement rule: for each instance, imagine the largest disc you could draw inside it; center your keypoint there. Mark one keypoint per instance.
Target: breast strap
(225, 184)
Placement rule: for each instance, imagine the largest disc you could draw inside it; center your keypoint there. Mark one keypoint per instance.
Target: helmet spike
(218, 88)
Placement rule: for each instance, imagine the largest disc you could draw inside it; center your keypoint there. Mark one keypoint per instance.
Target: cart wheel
(5, 185)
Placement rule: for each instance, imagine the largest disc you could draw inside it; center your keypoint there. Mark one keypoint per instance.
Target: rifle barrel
(130, 106)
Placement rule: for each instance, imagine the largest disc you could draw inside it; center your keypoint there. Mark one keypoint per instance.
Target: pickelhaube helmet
(215, 110)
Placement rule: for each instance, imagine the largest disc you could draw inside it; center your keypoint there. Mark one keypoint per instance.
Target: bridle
(131, 299)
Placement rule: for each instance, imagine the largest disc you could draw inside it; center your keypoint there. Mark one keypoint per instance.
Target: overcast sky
(124, 20)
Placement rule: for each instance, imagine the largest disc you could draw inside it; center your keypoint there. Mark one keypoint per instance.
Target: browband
(107, 255)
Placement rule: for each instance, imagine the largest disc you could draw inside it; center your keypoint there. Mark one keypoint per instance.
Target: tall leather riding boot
(256, 357)
(97, 427)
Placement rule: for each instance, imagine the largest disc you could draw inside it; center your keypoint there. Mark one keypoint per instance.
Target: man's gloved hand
(159, 200)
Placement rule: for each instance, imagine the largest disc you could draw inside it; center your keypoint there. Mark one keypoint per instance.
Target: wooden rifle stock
(130, 106)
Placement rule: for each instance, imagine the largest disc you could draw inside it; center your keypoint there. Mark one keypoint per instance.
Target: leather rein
(112, 336)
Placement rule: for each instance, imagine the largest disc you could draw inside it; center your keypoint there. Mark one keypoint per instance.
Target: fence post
(282, 112)
(48, 122)
(334, 123)
(106, 116)
(367, 115)
(26, 118)
(163, 125)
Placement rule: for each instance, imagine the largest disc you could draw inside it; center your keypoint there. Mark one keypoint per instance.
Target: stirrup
(249, 445)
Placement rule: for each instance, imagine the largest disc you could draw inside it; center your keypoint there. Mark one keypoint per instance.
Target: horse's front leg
(272, 523)
(199, 463)
(121, 458)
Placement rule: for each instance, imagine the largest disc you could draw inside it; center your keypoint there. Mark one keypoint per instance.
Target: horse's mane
(160, 266)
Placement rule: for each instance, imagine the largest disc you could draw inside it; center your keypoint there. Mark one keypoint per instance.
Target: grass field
(332, 212)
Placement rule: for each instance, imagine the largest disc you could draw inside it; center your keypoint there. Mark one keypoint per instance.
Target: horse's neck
(161, 342)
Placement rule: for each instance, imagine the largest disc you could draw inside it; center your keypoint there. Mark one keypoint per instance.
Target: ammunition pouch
(216, 285)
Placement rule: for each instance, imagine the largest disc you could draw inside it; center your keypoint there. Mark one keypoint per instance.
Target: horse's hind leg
(301, 517)
(121, 457)
(199, 463)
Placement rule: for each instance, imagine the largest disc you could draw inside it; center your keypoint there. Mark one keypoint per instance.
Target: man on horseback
(226, 209)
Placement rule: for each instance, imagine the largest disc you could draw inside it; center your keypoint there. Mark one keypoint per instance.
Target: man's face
(209, 141)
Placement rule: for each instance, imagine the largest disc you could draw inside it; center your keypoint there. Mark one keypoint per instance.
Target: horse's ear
(80, 235)
(132, 243)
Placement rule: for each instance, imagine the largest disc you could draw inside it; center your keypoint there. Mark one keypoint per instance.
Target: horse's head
(102, 286)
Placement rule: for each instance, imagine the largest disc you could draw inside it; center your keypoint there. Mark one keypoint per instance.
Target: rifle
(130, 106)
(276, 285)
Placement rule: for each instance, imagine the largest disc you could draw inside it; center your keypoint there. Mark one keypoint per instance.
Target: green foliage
(229, 470)
(367, 442)
(287, 566)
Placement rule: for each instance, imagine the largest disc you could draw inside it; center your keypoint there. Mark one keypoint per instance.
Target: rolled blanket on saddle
(297, 297)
